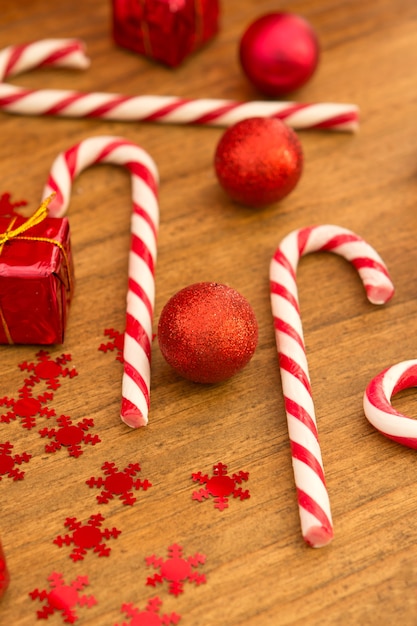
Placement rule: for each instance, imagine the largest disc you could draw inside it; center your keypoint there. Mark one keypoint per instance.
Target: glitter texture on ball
(279, 52)
(258, 161)
(207, 332)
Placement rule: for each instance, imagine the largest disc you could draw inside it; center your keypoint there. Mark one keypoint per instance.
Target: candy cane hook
(377, 403)
(142, 258)
(168, 109)
(313, 499)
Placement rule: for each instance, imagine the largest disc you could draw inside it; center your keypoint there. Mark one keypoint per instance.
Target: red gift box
(36, 278)
(164, 30)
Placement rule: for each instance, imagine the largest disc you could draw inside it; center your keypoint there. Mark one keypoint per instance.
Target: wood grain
(259, 572)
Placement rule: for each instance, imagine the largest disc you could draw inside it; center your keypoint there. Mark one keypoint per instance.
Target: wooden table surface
(259, 571)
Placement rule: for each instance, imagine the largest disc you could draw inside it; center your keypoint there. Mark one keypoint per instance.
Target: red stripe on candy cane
(138, 210)
(344, 119)
(140, 170)
(145, 218)
(303, 454)
(321, 534)
(284, 327)
(71, 160)
(302, 240)
(280, 290)
(14, 56)
(313, 499)
(134, 287)
(297, 411)
(212, 116)
(136, 330)
(165, 110)
(60, 106)
(54, 187)
(139, 248)
(291, 366)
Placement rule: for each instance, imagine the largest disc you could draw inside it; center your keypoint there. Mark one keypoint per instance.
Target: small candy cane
(313, 499)
(377, 403)
(166, 109)
(142, 258)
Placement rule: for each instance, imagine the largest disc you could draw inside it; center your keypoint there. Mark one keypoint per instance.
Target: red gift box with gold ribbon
(36, 278)
(164, 30)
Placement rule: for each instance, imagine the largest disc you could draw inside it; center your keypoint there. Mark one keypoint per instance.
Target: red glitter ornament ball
(207, 332)
(279, 53)
(258, 161)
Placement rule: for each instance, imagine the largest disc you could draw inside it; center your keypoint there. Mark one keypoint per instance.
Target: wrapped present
(36, 278)
(164, 30)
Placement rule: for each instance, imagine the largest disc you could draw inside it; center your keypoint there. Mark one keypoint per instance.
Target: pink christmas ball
(279, 52)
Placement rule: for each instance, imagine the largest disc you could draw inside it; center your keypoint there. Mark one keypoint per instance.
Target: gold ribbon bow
(33, 220)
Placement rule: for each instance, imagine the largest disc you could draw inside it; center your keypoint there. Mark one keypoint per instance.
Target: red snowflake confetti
(47, 369)
(70, 435)
(8, 462)
(63, 598)
(7, 208)
(26, 407)
(150, 616)
(87, 536)
(176, 569)
(118, 483)
(220, 486)
(116, 343)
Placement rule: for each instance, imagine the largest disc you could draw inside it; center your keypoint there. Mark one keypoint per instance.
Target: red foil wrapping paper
(164, 30)
(36, 281)
(4, 574)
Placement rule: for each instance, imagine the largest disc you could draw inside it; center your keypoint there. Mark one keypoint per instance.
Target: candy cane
(377, 403)
(168, 109)
(313, 499)
(142, 258)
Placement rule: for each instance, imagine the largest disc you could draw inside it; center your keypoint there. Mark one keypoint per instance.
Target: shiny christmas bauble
(258, 161)
(279, 52)
(207, 332)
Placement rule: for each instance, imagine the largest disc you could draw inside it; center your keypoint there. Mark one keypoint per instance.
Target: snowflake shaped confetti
(176, 569)
(70, 435)
(8, 462)
(220, 486)
(63, 598)
(89, 536)
(116, 343)
(26, 407)
(118, 483)
(7, 208)
(150, 616)
(48, 370)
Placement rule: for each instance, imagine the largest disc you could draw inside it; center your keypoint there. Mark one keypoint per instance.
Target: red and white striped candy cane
(142, 257)
(377, 403)
(149, 108)
(313, 499)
